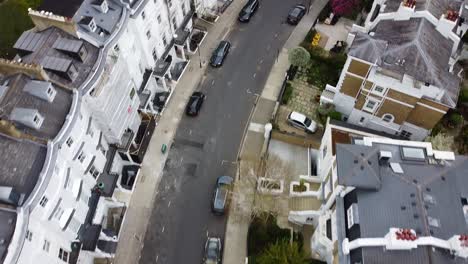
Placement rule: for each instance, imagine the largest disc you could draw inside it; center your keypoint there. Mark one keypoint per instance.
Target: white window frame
(63, 255)
(94, 171)
(374, 90)
(148, 34)
(143, 15)
(46, 245)
(43, 201)
(81, 157)
(29, 235)
(392, 117)
(374, 107)
(350, 216)
(69, 142)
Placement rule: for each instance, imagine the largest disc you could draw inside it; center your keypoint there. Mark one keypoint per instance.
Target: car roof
(297, 116)
(225, 179)
(220, 198)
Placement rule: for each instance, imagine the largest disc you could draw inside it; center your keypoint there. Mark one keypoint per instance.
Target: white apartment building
(401, 75)
(83, 86)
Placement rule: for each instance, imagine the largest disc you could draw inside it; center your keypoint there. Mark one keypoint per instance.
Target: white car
(302, 122)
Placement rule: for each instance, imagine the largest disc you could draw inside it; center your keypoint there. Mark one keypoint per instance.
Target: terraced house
(401, 75)
(77, 110)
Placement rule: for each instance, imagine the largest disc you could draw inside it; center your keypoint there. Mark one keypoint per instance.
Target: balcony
(108, 180)
(163, 65)
(143, 137)
(129, 174)
(89, 233)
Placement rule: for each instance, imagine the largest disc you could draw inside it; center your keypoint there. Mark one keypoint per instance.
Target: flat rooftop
(427, 195)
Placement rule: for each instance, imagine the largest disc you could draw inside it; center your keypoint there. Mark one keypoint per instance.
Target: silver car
(301, 121)
(220, 196)
(212, 251)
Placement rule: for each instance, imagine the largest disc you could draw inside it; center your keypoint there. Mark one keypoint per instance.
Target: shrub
(262, 233)
(335, 115)
(455, 119)
(287, 93)
(299, 57)
(463, 98)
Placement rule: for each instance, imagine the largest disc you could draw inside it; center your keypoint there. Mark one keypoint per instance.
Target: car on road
(221, 194)
(248, 10)
(220, 53)
(295, 15)
(301, 121)
(212, 251)
(195, 103)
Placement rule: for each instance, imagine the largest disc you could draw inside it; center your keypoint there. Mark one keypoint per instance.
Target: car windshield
(212, 252)
(219, 52)
(307, 122)
(295, 12)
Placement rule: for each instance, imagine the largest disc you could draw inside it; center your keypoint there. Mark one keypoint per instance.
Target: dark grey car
(296, 14)
(212, 251)
(220, 196)
(195, 103)
(248, 10)
(220, 53)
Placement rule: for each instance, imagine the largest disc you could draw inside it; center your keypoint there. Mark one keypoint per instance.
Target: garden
(14, 20)
(268, 243)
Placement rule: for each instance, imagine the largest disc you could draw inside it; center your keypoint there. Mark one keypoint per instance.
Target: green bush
(287, 94)
(455, 119)
(335, 115)
(261, 233)
(463, 98)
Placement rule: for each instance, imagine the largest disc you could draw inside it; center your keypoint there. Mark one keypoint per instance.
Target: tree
(299, 57)
(248, 202)
(442, 142)
(344, 7)
(282, 252)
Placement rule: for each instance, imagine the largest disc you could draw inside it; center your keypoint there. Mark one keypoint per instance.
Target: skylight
(413, 153)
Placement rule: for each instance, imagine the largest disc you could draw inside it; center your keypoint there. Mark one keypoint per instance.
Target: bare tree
(249, 202)
(442, 142)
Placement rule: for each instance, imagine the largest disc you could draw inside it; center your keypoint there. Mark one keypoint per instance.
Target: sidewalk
(235, 240)
(140, 207)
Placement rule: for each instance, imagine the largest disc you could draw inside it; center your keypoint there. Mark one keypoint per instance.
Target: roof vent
(372, 33)
(41, 89)
(384, 157)
(428, 198)
(434, 222)
(396, 167)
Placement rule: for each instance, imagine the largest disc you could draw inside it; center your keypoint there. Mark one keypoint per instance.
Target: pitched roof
(435, 7)
(412, 47)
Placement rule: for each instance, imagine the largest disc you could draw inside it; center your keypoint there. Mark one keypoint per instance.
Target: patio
(334, 33)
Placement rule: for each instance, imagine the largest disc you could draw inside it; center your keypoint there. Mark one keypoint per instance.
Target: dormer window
(37, 119)
(72, 72)
(28, 117)
(89, 23)
(104, 6)
(41, 89)
(143, 15)
(92, 25)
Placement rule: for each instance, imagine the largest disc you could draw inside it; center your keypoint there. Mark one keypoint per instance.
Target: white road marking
(169, 204)
(261, 61)
(212, 82)
(229, 83)
(225, 34)
(163, 229)
(248, 91)
(255, 74)
(190, 132)
(157, 257)
(255, 127)
(207, 233)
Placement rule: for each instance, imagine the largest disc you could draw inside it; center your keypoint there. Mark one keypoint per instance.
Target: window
(155, 55)
(46, 245)
(169, 3)
(69, 142)
(406, 134)
(324, 151)
(379, 90)
(49, 91)
(143, 15)
(352, 215)
(63, 255)
(43, 201)
(132, 93)
(388, 118)
(74, 225)
(36, 119)
(58, 213)
(371, 105)
(164, 40)
(159, 19)
(174, 22)
(361, 120)
(148, 34)
(81, 157)
(116, 48)
(29, 235)
(93, 171)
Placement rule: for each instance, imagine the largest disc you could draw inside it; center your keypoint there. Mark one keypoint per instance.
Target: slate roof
(54, 112)
(46, 53)
(7, 228)
(412, 47)
(59, 7)
(421, 193)
(435, 7)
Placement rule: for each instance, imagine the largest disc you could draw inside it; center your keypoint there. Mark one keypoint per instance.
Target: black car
(248, 10)
(220, 53)
(220, 197)
(212, 251)
(296, 14)
(195, 103)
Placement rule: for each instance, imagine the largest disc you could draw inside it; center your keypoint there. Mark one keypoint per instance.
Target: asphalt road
(206, 146)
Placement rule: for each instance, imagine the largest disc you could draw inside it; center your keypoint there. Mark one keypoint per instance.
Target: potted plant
(301, 187)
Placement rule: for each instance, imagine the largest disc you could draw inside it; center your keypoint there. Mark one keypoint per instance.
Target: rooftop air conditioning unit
(384, 157)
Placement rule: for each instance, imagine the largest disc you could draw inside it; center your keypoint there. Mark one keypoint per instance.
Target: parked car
(302, 122)
(248, 10)
(195, 103)
(212, 251)
(220, 197)
(295, 15)
(220, 53)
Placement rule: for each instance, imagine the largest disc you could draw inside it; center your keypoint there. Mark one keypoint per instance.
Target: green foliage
(299, 57)
(282, 252)
(462, 140)
(308, 38)
(335, 115)
(287, 93)
(324, 69)
(14, 20)
(262, 233)
(455, 119)
(463, 98)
